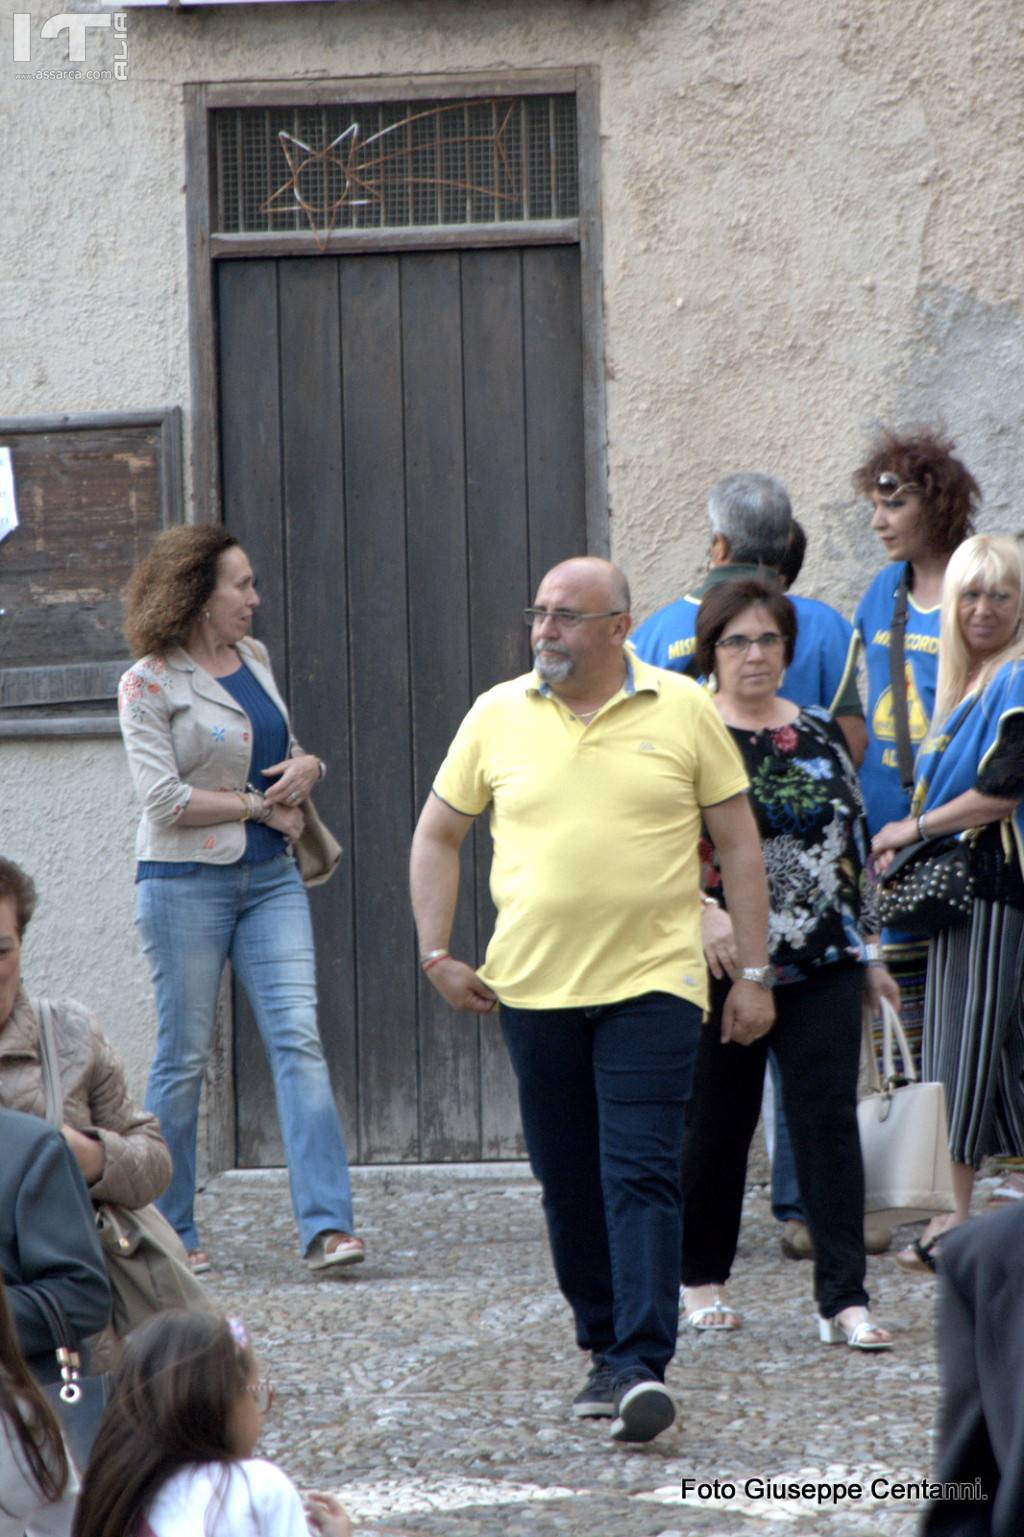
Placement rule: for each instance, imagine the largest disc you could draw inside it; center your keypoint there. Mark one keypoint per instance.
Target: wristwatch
(764, 976)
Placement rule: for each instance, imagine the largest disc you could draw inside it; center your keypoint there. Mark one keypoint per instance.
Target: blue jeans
(258, 915)
(786, 1202)
(603, 1095)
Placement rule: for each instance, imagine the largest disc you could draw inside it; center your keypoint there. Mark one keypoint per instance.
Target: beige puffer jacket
(96, 1099)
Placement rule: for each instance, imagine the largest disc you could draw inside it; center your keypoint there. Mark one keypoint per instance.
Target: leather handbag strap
(49, 1063)
(55, 1315)
(871, 1080)
(898, 685)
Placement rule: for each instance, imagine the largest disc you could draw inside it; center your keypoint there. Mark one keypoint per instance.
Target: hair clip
(239, 1333)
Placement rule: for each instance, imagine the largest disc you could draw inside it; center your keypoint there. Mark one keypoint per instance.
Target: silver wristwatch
(764, 976)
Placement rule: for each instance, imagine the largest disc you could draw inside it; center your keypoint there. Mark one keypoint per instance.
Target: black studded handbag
(928, 887)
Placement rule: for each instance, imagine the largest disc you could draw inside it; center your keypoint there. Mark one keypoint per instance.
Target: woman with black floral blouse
(823, 941)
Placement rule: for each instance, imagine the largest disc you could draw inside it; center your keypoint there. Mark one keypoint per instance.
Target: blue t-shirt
(822, 661)
(884, 797)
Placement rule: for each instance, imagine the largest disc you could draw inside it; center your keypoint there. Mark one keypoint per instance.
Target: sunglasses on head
(890, 486)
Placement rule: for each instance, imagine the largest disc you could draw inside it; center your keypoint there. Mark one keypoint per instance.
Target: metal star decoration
(371, 173)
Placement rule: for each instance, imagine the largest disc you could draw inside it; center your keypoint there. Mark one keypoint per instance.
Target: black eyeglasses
(769, 641)
(565, 618)
(890, 486)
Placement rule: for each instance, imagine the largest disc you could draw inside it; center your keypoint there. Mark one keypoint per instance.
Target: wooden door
(402, 457)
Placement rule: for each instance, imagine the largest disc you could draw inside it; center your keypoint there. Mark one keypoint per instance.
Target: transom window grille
(395, 164)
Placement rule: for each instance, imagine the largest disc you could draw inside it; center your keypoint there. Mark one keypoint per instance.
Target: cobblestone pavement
(429, 1388)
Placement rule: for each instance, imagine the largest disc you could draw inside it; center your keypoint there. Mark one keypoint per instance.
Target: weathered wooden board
(91, 492)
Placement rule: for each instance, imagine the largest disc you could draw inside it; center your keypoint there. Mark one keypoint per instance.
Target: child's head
(186, 1391)
(183, 1376)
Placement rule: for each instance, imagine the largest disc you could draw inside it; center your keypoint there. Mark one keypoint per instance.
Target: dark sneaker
(596, 1398)
(643, 1409)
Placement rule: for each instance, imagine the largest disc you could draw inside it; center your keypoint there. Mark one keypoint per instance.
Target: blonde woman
(970, 775)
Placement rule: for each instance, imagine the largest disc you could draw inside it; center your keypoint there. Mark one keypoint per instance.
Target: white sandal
(698, 1318)
(832, 1332)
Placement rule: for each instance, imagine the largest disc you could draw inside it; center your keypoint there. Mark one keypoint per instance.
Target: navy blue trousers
(603, 1093)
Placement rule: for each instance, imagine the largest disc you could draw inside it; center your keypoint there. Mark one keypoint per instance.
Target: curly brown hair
(950, 492)
(167, 590)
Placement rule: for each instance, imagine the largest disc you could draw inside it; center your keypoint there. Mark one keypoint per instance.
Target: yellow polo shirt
(595, 873)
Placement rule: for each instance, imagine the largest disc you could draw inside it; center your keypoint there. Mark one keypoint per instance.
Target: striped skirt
(974, 1031)
(908, 963)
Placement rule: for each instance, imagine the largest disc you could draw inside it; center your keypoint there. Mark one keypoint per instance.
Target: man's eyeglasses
(891, 487)
(565, 618)
(739, 645)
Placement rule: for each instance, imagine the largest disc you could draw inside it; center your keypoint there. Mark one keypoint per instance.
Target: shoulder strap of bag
(56, 1317)
(898, 685)
(48, 1061)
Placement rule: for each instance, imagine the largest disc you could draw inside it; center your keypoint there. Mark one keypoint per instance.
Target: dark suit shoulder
(23, 1135)
(990, 1246)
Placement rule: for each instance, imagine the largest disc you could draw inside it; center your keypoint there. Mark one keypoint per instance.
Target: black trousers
(816, 1039)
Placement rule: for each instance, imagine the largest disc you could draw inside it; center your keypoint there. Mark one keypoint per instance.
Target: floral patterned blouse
(805, 796)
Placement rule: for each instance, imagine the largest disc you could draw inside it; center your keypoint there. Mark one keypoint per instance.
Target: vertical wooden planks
(250, 435)
(315, 537)
(401, 451)
(439, 659)
(553, 395)
(496, 509)
(382, 798)
(251, 480)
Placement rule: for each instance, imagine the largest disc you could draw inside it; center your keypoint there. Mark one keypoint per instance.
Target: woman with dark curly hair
(221, 780)
(924, 500)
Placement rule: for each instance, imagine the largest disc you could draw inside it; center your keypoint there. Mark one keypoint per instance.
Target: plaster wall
(811, 223)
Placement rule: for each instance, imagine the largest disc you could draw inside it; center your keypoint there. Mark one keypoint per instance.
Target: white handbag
(904, 1136)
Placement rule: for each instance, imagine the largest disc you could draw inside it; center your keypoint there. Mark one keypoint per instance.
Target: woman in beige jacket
(119, 1148)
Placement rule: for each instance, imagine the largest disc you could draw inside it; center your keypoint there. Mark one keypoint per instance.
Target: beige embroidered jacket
(183, 731)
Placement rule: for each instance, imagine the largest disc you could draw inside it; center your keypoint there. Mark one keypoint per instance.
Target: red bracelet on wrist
(434, 958)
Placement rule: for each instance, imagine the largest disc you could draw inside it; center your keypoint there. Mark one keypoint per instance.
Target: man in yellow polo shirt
(597, 770)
